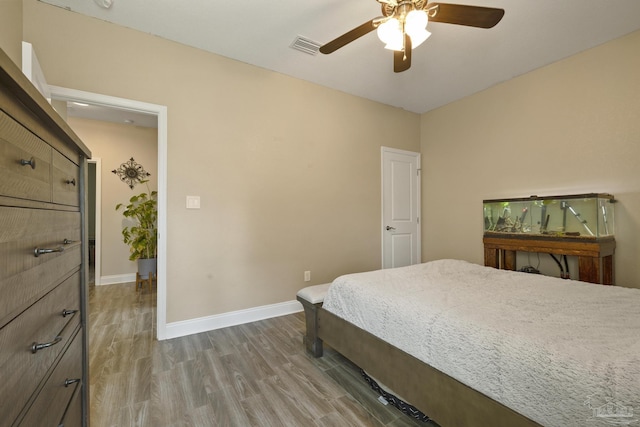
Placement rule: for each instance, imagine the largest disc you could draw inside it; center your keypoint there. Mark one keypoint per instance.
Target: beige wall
(569, 128)
(11, 29)
(288, 172)
(115, 144)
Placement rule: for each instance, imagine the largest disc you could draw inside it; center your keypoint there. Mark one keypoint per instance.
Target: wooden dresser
(43, 293)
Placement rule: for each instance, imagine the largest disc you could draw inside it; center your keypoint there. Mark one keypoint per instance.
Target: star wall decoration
(131, 173)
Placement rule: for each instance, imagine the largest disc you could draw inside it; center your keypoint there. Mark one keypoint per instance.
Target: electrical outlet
(307, 276)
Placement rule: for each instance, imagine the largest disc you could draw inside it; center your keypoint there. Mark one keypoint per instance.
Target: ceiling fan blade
(348, 37)
(472, 16)
(402, 60)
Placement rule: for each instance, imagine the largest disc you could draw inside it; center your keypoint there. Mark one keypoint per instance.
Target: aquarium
(588, 216)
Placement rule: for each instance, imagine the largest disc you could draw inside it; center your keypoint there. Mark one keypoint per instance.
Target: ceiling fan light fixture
(416, 20)
(395, 45)
(418, 37)
(389, 31)
(403, 25)
(415, 25)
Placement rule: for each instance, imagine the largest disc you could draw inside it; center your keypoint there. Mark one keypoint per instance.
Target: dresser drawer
(24, 278)
(30, 344)
(17, 146)
(73, 415)
(66, 178)
(43, 340)
(52, 402)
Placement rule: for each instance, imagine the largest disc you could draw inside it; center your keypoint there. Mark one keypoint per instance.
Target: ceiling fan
(403, 25)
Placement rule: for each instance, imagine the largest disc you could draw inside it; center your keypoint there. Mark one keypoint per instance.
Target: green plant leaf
(142, 236)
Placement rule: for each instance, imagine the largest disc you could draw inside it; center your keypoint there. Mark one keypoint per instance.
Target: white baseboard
(209, 323)
(117, 278)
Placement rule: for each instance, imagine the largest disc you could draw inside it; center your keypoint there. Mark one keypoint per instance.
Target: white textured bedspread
(561, 352)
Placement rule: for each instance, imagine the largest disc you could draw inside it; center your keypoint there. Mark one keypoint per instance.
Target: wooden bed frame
(442, 398)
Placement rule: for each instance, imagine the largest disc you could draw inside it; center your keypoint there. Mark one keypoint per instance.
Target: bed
(475, 346)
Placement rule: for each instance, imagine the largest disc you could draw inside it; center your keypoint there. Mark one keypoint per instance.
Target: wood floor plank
(136, 415)
(352, 411)
(125, 330)
(241, 375)
(334, 419)
(120, 353)
(271, 354)
(227, 408)
(203, 416)
(168, 404)
(261, 413)
(280, 339)
(256, 374)
(115, 392)
(225, 340)
(162, 359)
(138, 380)
(188, 378)
(255, 359)
(300, 394)
(250, 329)
(305, 372)
(215, 376)
(290, 411)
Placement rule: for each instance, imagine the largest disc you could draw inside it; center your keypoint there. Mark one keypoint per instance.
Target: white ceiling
(454, 62)
(112, 114)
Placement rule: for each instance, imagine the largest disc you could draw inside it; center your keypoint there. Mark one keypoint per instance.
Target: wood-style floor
(255, 374)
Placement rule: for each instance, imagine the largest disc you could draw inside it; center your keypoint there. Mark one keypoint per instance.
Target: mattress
(561, 352)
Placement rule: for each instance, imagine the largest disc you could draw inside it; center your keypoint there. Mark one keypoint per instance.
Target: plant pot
(146, 266)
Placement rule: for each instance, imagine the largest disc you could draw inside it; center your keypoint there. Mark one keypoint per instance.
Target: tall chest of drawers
(43, 293)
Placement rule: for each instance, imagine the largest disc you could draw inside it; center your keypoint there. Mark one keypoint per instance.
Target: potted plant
(142, 233)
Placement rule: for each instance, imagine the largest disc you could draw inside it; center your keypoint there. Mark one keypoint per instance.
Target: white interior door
(400, 208)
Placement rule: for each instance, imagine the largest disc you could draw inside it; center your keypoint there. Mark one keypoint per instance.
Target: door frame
(66, 94)
(97, 258)
(383, 151)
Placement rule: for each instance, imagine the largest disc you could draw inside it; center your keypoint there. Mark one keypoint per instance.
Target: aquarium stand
(595, 256)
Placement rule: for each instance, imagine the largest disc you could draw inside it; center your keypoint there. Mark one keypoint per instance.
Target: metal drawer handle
(40, 346)
(66, 312)
(71, 181)
(38, 251)
(31, 162)
(69, 381)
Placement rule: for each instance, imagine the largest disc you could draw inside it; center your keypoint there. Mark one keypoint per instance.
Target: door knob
(390, 228)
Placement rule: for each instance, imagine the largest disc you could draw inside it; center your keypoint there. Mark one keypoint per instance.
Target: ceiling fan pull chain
(404, 42)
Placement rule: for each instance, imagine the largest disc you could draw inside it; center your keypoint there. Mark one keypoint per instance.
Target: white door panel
(400, 208)
(402, 249)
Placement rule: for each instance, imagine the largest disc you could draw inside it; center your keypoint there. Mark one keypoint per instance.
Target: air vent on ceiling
(305, 45)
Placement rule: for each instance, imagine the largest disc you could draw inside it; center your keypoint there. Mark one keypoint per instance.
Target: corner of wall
(11, 29)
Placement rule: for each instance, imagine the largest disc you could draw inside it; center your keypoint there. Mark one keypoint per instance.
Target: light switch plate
(193, 202)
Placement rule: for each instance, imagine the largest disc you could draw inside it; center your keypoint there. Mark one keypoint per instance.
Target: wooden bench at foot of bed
(444, 399)
(311, 299)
